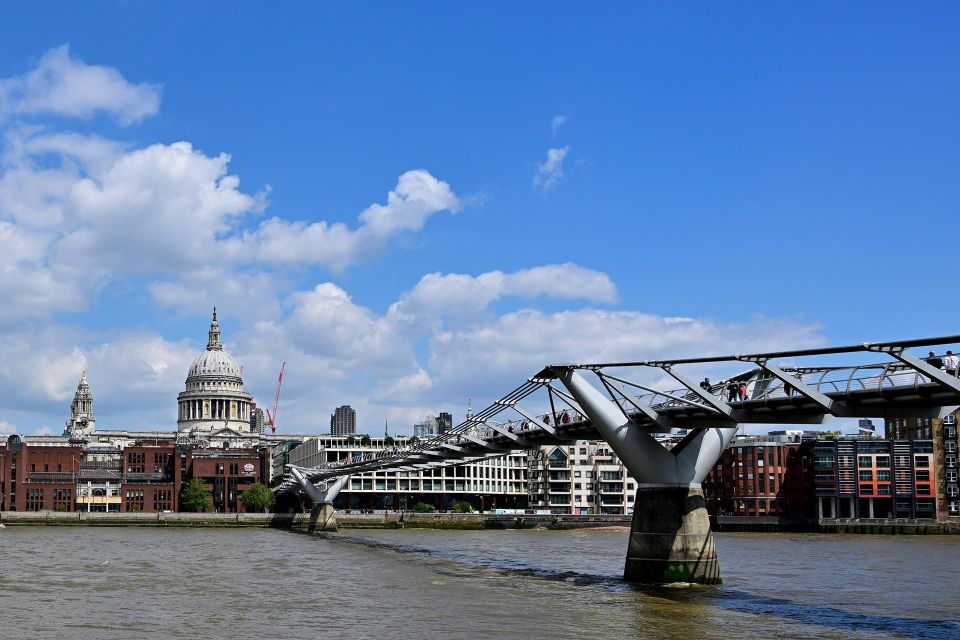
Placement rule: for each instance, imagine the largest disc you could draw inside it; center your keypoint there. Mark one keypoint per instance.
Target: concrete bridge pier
(670, 537)
(322, 514)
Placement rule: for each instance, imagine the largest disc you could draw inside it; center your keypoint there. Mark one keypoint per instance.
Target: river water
(85, 582)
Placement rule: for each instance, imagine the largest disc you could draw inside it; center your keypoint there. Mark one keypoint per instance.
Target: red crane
(272, 416)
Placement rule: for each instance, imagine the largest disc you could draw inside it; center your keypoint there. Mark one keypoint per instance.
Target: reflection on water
(221, 583)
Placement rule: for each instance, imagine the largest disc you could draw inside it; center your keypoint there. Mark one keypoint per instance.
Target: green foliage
(195, 496)
(389, 441)
(462, 507)
(365, 440)
(413, 440)
(351, 440)
(257, 497)
(423, 507)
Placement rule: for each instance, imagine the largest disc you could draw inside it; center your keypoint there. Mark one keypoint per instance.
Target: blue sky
(575, 177)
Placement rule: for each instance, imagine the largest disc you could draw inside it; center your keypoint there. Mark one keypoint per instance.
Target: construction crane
(272, 415)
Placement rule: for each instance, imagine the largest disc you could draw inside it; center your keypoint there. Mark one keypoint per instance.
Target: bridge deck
(902, 387)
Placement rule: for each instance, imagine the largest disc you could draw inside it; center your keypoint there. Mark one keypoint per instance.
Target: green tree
(462, 507)
(195, 496)
(423, 507)
(257, 497)
(388, 441)
(351, 439)
(365, 440)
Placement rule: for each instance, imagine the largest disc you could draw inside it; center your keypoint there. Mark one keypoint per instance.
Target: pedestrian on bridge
(951, 363)
(935, 361)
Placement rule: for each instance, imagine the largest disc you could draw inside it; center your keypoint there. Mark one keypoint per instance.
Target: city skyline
(416, 207)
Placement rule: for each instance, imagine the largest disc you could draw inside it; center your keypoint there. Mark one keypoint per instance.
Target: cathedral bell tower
(81, 421)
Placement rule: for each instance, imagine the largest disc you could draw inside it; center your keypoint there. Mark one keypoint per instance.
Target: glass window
(883, 461)
(866, 475)
(864, 461)
(921, 461)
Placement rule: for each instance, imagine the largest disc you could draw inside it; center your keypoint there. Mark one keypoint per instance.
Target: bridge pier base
(322, 518)
(670, 538)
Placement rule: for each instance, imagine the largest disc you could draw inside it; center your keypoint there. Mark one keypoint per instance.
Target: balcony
(148, 477)
(50, 476)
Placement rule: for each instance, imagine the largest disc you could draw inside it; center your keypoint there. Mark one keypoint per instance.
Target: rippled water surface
(222, 583)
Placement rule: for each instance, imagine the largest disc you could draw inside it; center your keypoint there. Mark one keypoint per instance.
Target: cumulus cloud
(417, 196)
(437, 295)
(132, 216)
(515, 345)
(550, 172)
(134, 376)
(6, 427)
(65, 86)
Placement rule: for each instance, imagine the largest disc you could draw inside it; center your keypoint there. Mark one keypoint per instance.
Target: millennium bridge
(670, 537)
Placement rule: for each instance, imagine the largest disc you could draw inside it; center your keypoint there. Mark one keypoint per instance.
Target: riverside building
(942, 432)
(758, 476)
(581, 478)
(488, 484)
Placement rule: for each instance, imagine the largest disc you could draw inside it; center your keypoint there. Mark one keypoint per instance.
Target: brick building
(57, 473)
(757, 477)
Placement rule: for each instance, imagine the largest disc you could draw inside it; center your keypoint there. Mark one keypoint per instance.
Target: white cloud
(488, 358)
(133, 215)
(437, 295)
(65, 86)
(550, 172)
(557, 122)
(6, 427)
(417, 196)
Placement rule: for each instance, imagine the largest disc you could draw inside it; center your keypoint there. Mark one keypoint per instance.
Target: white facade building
(581, 478)
(487, 484)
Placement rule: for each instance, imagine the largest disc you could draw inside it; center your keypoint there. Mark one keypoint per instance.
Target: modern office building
(343, 422)
(943, 434)
(488, 484)
(871, 479)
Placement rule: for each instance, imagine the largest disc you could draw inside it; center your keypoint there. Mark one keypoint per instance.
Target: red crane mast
(272, 415)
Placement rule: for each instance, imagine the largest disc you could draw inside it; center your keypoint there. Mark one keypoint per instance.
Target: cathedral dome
(214, 363)
(214, 397)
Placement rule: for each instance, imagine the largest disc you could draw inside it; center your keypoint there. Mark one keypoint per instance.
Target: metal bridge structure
(670, 539)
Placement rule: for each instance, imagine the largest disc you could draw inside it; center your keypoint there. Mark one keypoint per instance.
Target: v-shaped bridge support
(322, 514)
(670, 538)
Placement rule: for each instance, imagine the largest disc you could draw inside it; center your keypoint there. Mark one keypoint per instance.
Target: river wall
(302, 520)
(393, 520)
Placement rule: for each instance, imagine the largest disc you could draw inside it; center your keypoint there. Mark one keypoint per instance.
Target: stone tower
(81, 421)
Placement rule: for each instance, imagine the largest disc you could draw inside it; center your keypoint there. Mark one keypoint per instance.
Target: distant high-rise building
(444, 422)
(257, 423)
(343, 422)
(426, 429)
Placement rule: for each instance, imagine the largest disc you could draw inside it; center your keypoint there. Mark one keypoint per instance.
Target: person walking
(951, 363)
(935, 361)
